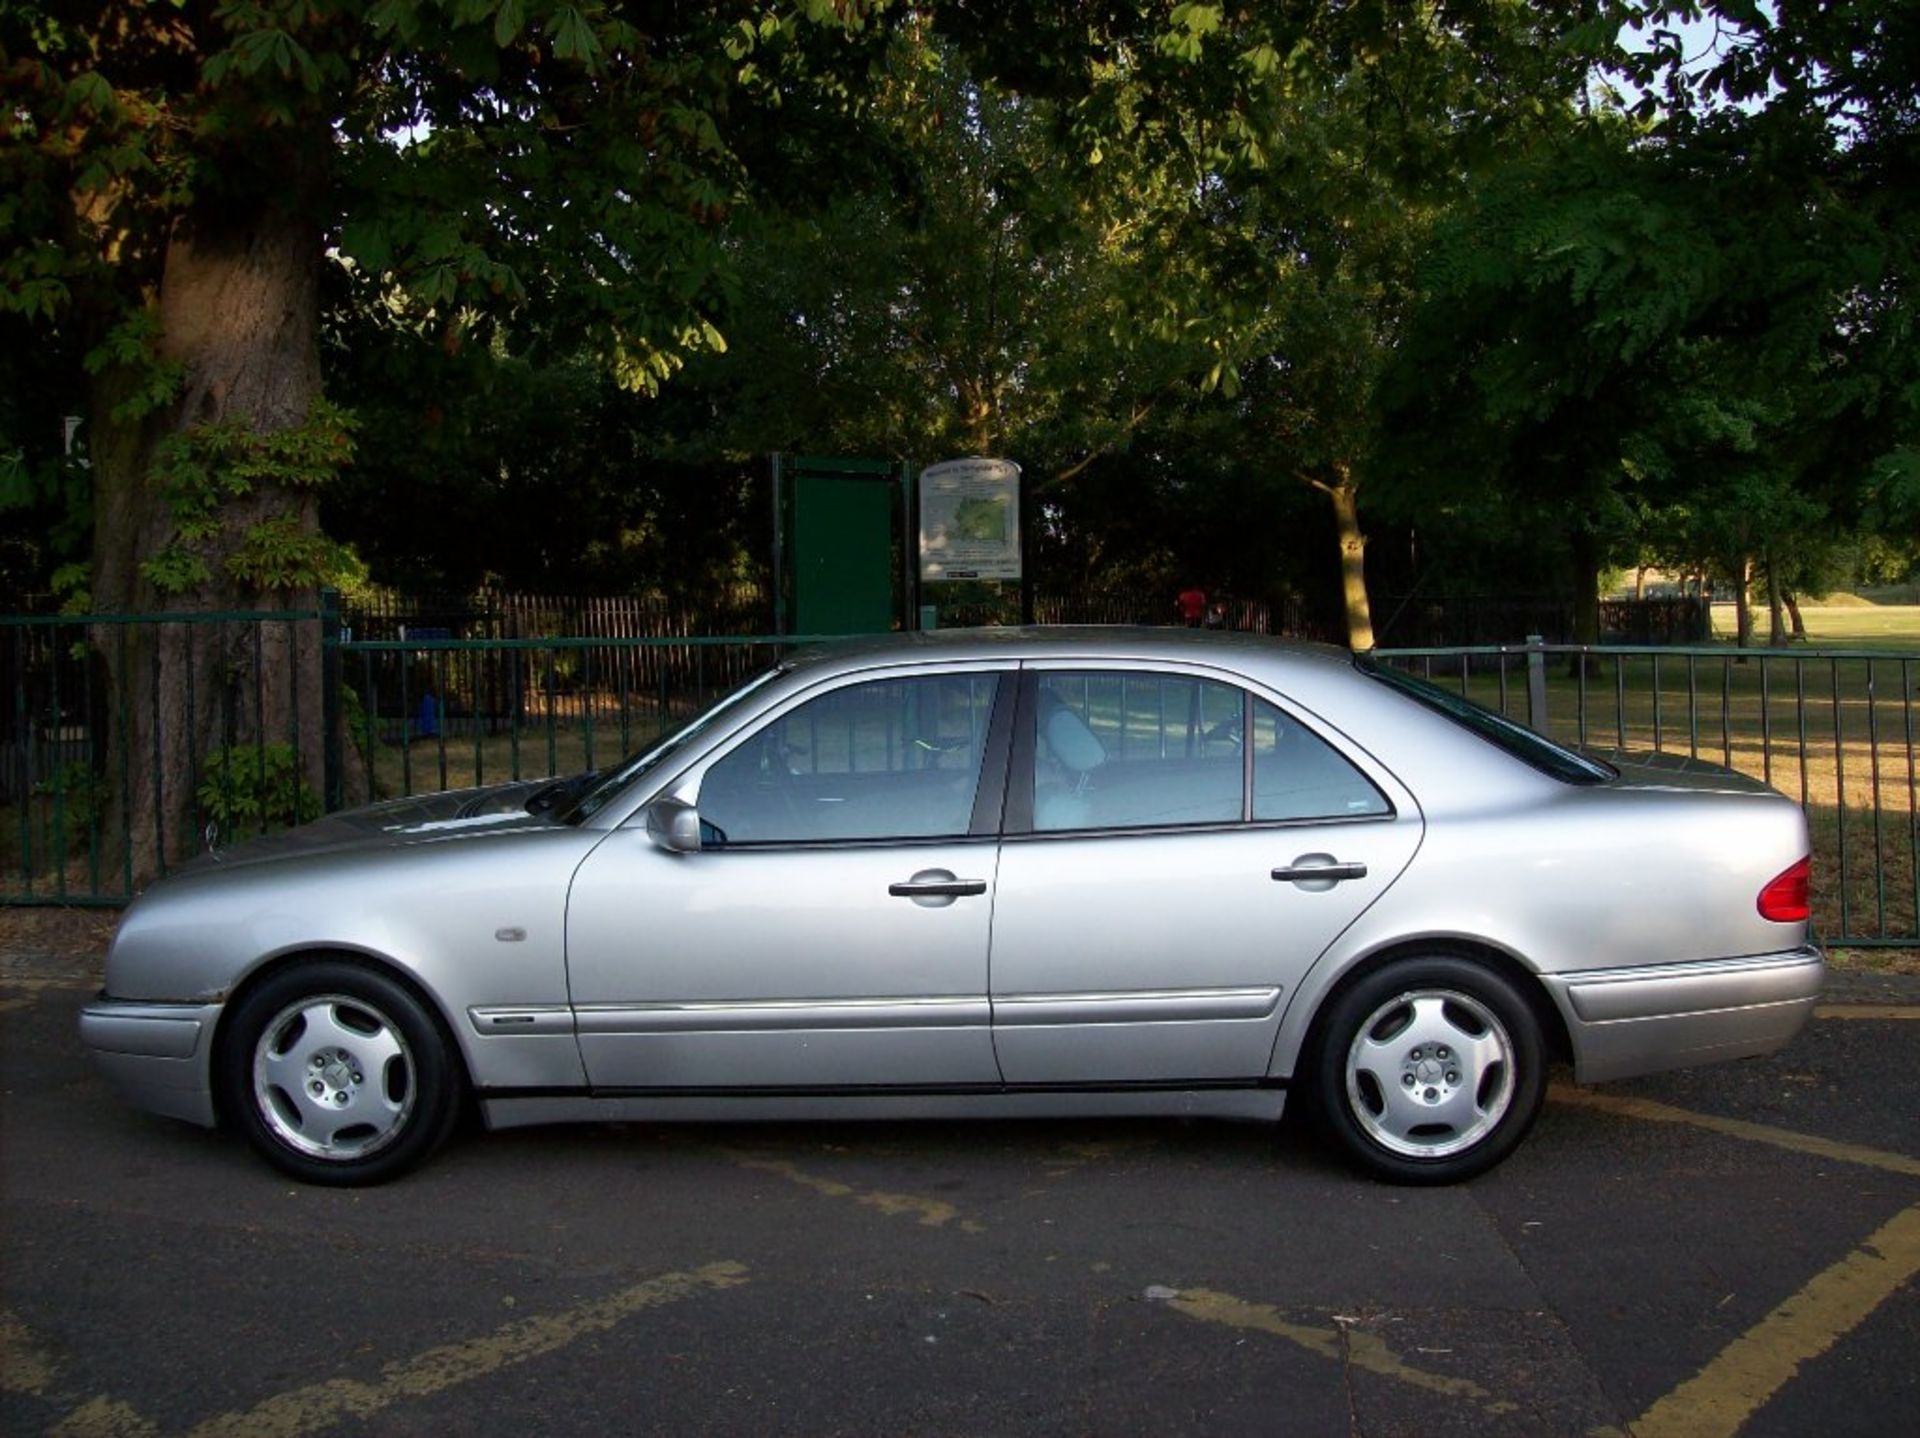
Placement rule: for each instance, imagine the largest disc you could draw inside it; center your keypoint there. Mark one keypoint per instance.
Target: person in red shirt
(1192, 604)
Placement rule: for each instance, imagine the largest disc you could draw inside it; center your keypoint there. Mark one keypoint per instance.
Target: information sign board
(970, 520)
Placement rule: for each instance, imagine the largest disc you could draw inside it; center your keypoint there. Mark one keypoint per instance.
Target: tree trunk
(1776, 627)
(1792, 601)
(1743, 602)
(1353, 557)
(238, 307)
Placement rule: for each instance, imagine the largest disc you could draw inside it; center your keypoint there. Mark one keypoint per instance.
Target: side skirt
(1262, 1104)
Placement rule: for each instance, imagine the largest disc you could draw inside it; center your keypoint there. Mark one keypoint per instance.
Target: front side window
(885, 759)
(1149, 751)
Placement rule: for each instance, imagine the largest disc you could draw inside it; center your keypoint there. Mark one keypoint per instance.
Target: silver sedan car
(998, 872)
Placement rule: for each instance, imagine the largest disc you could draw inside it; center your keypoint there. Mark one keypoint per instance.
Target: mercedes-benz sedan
(998, 872)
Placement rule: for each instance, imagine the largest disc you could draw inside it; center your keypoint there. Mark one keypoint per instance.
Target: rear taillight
(1785, 899)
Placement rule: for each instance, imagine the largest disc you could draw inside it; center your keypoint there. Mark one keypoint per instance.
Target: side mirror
(674, 825)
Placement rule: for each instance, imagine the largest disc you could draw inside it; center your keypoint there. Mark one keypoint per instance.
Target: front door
(831, 934)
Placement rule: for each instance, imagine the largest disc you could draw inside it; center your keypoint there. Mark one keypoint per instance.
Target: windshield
(617, 779)
(1518, 740)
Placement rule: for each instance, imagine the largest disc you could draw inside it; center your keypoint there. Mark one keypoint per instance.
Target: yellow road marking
(8, 1006)
(1867, 1011)
(24, 1367)
(1643, 1108)
(1361, 1349)
(322, 1405)
(1716, 1401)
(104, 1418)
(931, 1212)
(27, 1368)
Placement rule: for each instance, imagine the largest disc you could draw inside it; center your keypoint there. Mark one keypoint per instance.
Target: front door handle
(1322, 870)
(936, 886)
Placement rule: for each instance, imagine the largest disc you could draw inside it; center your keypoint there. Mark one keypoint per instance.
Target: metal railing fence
(429, 715)
(92, 782)
(252, 720)
(1832, 728)
(249, 722)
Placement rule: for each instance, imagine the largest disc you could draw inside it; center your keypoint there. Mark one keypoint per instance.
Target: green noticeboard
(842, 554)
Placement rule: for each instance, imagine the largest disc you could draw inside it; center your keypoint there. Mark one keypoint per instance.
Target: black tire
(1428, 1070)
(337, 1074)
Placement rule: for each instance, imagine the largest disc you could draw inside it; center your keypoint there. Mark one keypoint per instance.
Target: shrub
(251, 786)
(78, 796)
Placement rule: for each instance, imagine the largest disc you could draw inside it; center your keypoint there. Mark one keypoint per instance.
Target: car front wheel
(1429, 1070)
(337, 1074)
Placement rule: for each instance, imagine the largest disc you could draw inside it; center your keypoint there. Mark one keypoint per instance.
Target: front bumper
(1627, 1022)
(157, 1056)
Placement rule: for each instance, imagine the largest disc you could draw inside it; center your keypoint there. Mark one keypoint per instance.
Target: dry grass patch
(1904, 962)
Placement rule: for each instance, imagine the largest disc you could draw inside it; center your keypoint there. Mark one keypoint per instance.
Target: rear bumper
(157, 1056)
(1626, 1022)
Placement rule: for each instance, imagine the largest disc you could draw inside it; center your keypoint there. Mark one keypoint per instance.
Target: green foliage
(363, 735)
(70, 584)
(1176, 255)
(206, 467)
(1682, 334)
(281, 553)
(76, 797)
(208, 463)
(249, 787)
(132, 347)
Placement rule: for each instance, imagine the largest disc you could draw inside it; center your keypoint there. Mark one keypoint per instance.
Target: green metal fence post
(1537, 683)
(332, 734)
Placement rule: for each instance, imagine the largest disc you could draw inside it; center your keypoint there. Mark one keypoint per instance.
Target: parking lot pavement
(1731, 1250)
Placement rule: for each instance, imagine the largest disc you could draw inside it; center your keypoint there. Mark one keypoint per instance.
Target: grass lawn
(1849, 624)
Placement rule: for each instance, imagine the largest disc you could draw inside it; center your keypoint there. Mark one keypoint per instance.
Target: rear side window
(1498, 730)
(1152, 751)
(1298, 775)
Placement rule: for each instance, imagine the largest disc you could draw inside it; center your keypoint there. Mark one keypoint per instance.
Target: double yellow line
(1747, 1374)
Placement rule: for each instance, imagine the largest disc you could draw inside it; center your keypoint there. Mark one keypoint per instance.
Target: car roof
(1082, 641)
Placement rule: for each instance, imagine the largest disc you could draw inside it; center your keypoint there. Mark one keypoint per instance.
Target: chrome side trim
(492, 1021)
(1606, 996)
(155, 1031)
(1134, 1006)
(956, 1011)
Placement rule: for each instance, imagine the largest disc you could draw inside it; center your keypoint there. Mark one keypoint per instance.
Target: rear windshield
(1503, 733)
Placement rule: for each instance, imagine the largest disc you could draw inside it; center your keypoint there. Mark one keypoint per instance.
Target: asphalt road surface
(1727, 1251)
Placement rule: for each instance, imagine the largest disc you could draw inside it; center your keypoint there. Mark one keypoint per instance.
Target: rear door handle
(1329, 871)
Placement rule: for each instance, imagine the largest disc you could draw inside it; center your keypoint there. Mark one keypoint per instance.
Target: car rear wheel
(337, 1074)
(1429, 1070)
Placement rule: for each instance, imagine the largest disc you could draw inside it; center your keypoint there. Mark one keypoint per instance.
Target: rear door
(1179, 852)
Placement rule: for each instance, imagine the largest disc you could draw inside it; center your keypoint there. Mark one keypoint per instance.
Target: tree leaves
(572, 36)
